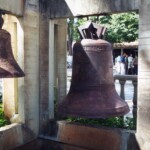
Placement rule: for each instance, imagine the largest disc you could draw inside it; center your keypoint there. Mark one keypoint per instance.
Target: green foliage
(130, 123)
(3, 120)
(120, 27)
(73, 25)
(116, 122)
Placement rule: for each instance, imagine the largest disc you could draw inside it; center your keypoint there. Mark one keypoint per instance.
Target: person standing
(118, 64)
(122, 64)
(130, 64)
(126, 64)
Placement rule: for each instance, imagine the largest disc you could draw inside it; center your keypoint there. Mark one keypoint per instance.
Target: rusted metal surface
(8, 65)
(92, 93)
(91, 30)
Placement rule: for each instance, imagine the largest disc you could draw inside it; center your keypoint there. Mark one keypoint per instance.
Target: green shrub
(3, 120)
(116, 122)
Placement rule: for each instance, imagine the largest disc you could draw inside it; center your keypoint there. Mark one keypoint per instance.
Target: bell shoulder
(4, 34)
(2, 31)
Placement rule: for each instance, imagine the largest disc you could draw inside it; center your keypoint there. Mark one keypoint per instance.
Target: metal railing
(122, 81)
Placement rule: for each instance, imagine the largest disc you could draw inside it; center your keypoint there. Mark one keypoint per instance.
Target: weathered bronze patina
(8, 65)
(92, 93)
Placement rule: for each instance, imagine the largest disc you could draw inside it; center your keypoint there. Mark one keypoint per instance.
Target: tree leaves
(120, 27)
(3, 120)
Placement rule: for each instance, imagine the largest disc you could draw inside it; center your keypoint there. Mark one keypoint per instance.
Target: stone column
(10, 90)
(52, 65)
(122, 84)
(13, 89)
(143, 114)
(134, 82)
(31, 66)
(61, 54)
(44, 67)
(57, 63)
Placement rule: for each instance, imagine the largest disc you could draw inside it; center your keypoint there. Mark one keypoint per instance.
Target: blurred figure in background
(69, 61)
(123, 64)
(126, 63)
(118, 64)
(130, 65)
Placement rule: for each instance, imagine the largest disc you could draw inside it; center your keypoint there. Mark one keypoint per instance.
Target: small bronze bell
(92, 93)
(8, 65)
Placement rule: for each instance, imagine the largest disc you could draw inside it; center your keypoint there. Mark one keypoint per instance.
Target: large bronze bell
(92, 93)
(8, 65)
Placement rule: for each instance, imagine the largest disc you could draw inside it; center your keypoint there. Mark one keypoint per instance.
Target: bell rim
(99, 114)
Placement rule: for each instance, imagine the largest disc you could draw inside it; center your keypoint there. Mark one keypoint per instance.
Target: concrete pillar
(12, 88)
(61, 54)
(143, 114)
(134, 82)
(44, 72)
(52, 67)
(57, 62)
(122, 84)
(31, 65)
